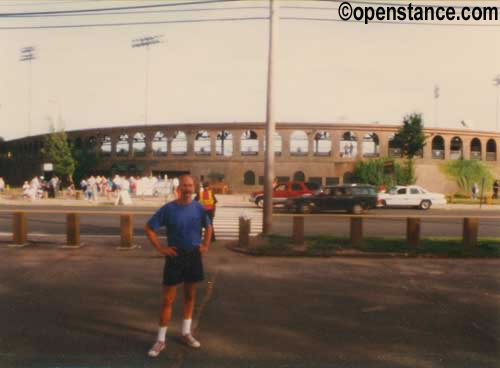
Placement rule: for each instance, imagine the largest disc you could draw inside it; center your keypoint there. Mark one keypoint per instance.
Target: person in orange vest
(207, 199)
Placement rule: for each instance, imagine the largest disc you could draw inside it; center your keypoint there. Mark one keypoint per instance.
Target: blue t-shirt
(183, 223)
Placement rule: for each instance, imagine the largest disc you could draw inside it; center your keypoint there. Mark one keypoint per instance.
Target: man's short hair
(184, 176)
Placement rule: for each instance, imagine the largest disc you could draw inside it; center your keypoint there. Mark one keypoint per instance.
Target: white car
(410, 196)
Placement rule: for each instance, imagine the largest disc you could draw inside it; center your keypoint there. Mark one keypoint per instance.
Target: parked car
(354, 198)
(410, 196)
(283, 191)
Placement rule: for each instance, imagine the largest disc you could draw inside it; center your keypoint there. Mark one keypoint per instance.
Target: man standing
(183, 219)
(495, 189)
(207, 199)
(475, 190)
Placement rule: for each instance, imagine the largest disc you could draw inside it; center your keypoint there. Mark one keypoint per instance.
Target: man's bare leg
(169, 293)
(189, 298)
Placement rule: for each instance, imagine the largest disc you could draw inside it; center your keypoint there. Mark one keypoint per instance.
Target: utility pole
(28, 54)
(496, 83)
(270, 121)
(146, 42)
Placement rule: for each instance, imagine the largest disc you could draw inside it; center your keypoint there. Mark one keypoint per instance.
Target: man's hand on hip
(203, 248)
(168, 251)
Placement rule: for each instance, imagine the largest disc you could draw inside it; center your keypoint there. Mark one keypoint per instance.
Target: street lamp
(28, 54)
(436, 97)
(56, 102)
(146, 42)
(496, 83)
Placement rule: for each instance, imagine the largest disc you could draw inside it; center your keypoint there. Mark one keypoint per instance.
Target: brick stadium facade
(324, 153)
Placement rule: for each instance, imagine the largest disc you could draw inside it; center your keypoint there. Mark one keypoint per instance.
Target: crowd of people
(122, 188)
(36, 188)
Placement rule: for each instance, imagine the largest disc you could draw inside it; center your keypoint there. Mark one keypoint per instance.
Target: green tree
(372, 172)
(467, 172)
(56, 150)
(3, 147)
(86, 159)
(410, 137)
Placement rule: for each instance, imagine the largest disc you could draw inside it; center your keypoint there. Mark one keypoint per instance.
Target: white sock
(186, 327)
(162, 332)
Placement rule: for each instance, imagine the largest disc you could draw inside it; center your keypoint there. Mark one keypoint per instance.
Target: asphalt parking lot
(98, 307)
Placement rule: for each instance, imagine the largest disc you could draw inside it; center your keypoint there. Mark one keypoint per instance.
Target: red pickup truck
(283, 191)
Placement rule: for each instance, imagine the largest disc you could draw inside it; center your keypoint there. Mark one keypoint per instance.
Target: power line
(141, 12)
(95, 25)
(403, 4)
(392, 22)
(36, 3)
(7, 15)
(135, 23)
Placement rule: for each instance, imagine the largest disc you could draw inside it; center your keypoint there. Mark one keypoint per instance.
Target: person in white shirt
(175, 184)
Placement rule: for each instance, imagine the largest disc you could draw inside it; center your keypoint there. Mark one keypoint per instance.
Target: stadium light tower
(436, 98)
(28, 54)
(146, 42)
(496, 83)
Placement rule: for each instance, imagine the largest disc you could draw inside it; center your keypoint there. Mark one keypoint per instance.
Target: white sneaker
(189, 340)
(156, 349)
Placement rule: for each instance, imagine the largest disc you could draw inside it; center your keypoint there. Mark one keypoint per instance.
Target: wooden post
(20, 228)
(413, 231)
(126, 231)
(470, 232)
(244, 232)
(357, 231)
(73, 229)
(298, 230)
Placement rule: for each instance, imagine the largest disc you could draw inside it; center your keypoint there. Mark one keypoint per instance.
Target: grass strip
(323, 245)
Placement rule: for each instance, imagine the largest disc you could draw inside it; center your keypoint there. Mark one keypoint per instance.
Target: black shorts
(185, 267)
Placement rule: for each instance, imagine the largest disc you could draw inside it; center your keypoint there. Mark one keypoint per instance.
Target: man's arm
(153, 238)
(206, 239)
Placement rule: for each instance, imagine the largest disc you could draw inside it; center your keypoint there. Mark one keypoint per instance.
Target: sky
(215, 70)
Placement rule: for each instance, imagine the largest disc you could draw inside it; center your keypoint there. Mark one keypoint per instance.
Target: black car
(353, 198)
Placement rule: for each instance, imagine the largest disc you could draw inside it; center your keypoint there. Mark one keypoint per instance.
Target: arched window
(277, 143)
(456, 148)
(91, 143)
(139, 144)
(159, 144)
(348, 145)
(491, 150)
(322, 144)
(299, 176)
(122, 146)
(394, 149)
(78, 143)
(371, 145)
(438, 148)
(202, 143)
(179, 143)
(299, 144)
(475, 149)
(249, 178)
(224, 143)
(249, 143)
(347, 177)
(105, 148)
